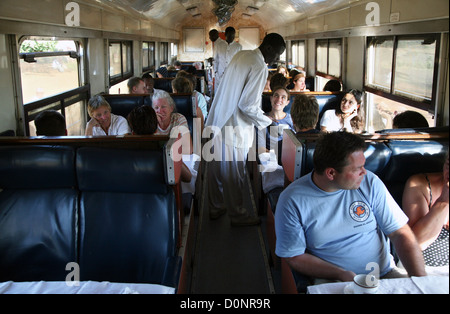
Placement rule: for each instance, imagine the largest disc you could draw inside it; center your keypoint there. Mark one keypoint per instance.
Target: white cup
(365, 284)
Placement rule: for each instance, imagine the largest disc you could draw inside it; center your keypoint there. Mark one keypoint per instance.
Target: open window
(51, 78)
(400, 75)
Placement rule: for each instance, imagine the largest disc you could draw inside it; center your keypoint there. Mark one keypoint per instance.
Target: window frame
(295, 45)
(328, 75)
(151, 57)
(428, 105)
(124, 73)
(163, 53)
(64, 99)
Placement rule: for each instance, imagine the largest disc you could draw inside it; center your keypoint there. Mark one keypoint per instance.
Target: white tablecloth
(84, 287)
(413, 285)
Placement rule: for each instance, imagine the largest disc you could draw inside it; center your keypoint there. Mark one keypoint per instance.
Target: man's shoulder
(298, 187)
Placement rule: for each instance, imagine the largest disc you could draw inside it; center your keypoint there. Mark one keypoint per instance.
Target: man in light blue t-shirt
(335, 221)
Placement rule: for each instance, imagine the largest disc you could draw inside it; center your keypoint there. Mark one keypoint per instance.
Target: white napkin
(432, 284)
(192, 162)
(272, 173)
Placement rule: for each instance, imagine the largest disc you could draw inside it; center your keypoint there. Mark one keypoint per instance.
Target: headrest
(37, 167)
(377, 157)
(123, 104)
(411, 157)
(121, 170)
(184, 105)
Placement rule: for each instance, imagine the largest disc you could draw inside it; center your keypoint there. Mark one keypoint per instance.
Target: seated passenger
(273, 135)
(198, 65)
(50, 123)
(305, 114)
(103, 122)
(162, 72)
(332, 86)
(334, 222)
(278, 80)
(177, 65)
(170, 122)
(409, 119)
(283, 70)
(143, 121)
(300, 83)
(349, 116)
(425, 202)
(201, 100)
(149, 83)
(136, 85)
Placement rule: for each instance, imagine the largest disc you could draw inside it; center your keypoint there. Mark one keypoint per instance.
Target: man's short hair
(305, 112)
(133, 82)
(50, 123)
(332, 150)
(274, 40)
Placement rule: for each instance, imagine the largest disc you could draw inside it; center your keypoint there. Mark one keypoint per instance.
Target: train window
(47, 67)
(173, 51)
(298, 52)
(400, 75)
(148, 56)
(120, 62)
(329, 56)
(50, 77)
(164, 53)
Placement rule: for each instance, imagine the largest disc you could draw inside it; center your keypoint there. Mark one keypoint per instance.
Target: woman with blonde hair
(103, 122)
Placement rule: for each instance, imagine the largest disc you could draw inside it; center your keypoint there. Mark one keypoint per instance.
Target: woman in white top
(170, 122)
(103, 122)
(349, 116)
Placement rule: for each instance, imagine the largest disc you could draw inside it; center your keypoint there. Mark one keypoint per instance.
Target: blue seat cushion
(38, 234)
(121, 170)
(37, 167)
(127, 237)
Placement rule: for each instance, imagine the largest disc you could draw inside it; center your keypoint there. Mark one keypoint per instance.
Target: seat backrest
(164, 83)
(128, 215)
(292, 155)
(409, 158)
(186, 105)
(122, 104)
(38, 212)
(325, 100)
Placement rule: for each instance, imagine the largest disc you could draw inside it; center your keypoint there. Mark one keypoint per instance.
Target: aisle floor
(230, 260)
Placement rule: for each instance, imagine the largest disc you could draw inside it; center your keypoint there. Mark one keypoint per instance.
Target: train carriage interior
(115, 208)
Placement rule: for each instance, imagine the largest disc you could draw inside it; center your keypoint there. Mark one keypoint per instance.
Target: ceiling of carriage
(269, 13)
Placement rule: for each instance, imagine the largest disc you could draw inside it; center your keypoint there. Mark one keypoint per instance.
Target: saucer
(349, 289)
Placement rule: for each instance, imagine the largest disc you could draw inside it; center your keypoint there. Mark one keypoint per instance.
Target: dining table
(410, 285)
(82, 287)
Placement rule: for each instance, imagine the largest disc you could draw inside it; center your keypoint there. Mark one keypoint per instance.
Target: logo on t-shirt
(359, 211)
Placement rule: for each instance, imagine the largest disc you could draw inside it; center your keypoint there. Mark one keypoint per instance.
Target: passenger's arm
(186, 174)
(408, 251)
(90, 126)
(313, 266)
(425, 222)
